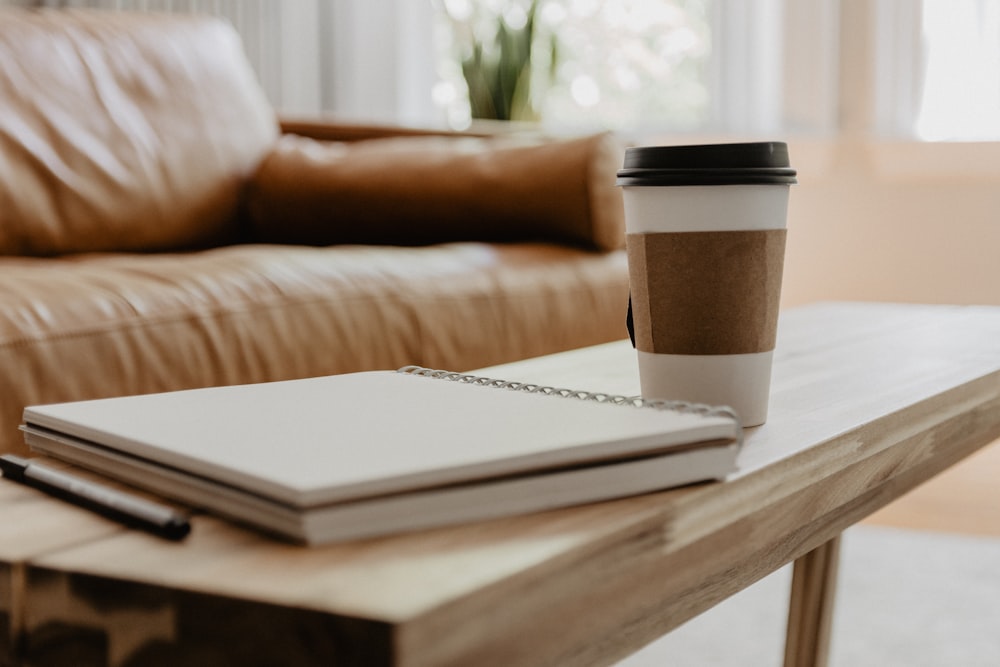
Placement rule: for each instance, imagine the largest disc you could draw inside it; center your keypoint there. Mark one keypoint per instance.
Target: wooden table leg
(810, 613)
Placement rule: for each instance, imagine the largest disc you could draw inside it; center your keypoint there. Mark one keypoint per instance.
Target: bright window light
(617, 65)
(961, 87)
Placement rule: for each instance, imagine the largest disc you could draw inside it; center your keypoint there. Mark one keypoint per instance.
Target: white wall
(894, 222)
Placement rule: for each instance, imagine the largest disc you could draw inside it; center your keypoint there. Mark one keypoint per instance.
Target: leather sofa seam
(139, 322)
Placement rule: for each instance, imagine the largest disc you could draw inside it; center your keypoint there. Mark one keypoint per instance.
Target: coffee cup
(705, 235)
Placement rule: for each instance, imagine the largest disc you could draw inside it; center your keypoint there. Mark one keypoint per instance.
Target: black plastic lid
(763, 162)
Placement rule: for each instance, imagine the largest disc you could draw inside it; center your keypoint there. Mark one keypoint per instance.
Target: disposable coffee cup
(705, 234)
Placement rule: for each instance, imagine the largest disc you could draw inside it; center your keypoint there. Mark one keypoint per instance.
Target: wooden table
(868, 401)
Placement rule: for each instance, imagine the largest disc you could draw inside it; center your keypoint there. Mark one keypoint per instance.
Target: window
(895, 69)
(629, 63)
(936, 67)
(676, 65)
(900, 69)
(960, 98)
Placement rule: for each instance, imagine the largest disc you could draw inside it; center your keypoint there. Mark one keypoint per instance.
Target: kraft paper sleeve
(706, 292)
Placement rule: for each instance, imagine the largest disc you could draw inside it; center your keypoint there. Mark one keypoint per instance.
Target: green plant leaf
(498, 73)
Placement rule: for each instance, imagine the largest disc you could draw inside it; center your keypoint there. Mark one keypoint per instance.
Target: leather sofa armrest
(424, 189)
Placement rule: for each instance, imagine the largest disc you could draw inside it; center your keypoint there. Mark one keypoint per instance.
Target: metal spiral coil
(599, 397)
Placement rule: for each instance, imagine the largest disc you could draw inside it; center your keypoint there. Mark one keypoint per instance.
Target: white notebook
(363, 454)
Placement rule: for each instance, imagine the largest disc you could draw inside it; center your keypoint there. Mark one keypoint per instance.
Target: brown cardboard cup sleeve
(706, 292)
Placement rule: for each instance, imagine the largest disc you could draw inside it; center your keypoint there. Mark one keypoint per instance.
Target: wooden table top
(868, 401)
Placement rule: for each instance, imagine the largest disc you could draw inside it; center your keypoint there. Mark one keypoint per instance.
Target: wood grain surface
(868, 402)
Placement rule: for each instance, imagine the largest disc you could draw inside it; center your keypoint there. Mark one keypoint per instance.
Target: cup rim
(667, 177)
(758, 162)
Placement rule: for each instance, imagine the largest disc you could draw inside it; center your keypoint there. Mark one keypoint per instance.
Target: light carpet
(907, 598)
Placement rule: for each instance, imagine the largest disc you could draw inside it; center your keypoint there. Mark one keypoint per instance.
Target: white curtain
(961, 81)
(379, 59)
(369, 59)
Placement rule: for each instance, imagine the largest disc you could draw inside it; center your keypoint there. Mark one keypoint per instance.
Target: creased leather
(124, 131)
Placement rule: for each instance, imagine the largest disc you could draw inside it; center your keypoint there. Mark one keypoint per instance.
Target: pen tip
(177, 528)
(13, 466)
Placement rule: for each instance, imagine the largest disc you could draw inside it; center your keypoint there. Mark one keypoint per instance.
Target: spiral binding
(598, 397)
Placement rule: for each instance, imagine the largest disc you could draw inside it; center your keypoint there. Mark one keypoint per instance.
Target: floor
(955, 510)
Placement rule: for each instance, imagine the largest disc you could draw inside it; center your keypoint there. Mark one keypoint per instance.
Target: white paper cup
(705, 229)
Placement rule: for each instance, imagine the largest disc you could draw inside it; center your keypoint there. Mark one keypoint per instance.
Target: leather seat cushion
(99, 325)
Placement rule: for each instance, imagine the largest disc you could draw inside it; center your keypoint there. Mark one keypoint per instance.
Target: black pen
(122, 507)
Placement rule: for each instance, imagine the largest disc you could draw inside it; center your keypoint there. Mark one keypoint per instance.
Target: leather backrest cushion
(124, 131)
(422, 190)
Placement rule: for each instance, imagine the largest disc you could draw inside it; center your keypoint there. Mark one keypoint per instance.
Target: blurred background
(891, 107)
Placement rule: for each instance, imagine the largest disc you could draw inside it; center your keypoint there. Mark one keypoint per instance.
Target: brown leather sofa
(161, 229)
